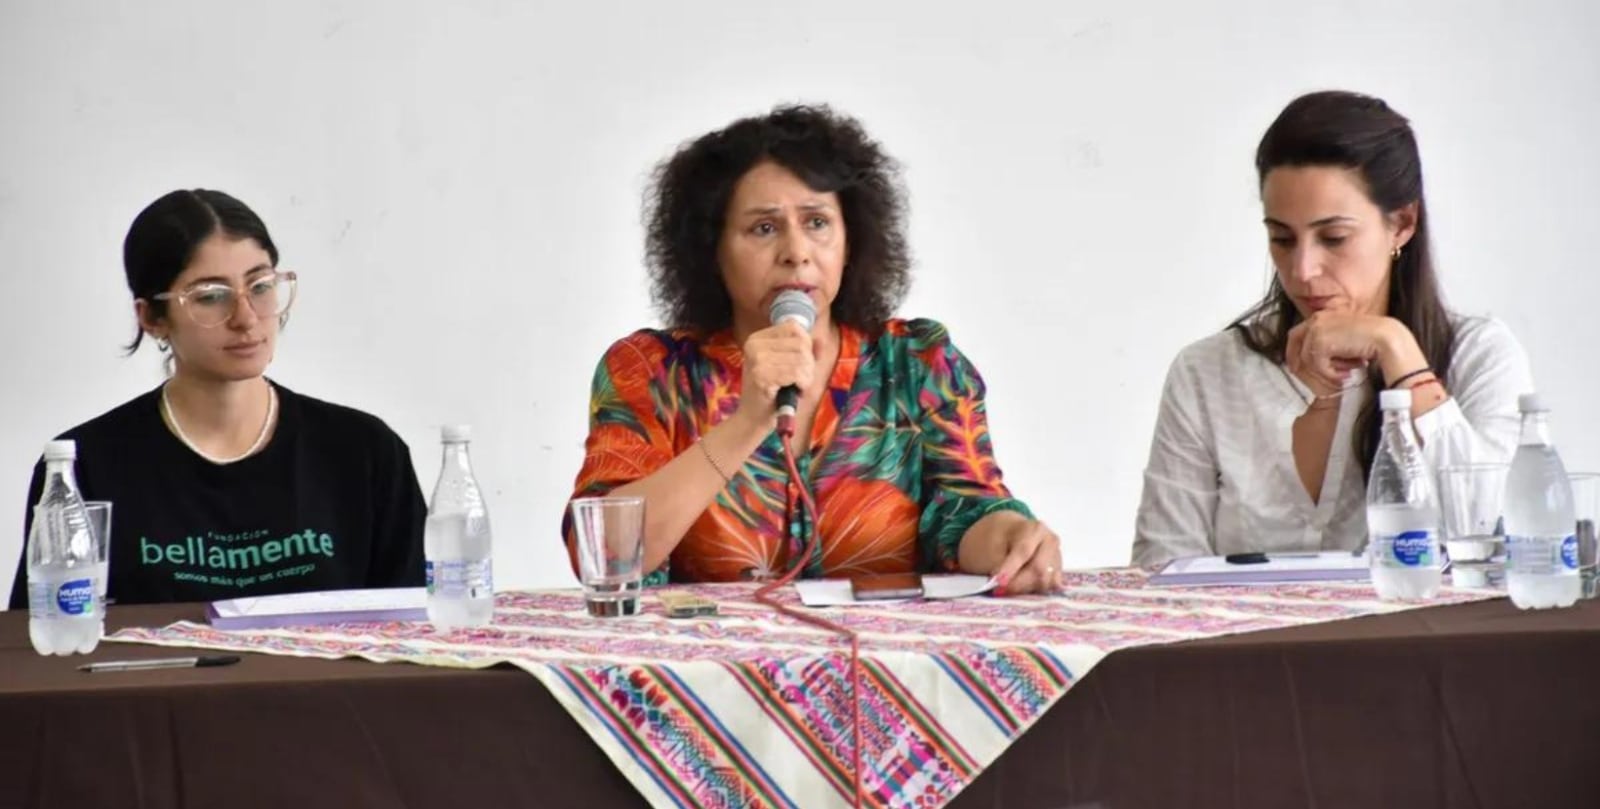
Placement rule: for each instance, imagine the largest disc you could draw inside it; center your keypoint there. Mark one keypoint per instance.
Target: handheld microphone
(791, 304)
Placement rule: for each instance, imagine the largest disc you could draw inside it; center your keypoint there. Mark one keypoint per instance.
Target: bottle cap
(457, 433)
(1531, 403)
(61, 450)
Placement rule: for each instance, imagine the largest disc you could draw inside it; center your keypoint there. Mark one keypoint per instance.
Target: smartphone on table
(886, 586)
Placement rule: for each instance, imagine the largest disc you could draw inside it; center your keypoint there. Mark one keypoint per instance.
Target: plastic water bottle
(65, 614)
(1402, 509)
(1541, 543)
(456, 542)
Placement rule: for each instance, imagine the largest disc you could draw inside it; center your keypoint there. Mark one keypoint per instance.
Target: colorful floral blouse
(900, 467)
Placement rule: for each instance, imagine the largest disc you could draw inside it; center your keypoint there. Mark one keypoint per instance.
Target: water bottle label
(76, 597)
(460, 579)
(1410, 548)
(1542, 555)
(1569, 552)
(40, 601)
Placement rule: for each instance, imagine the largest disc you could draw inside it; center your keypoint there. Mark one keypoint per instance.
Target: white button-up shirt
(1222, 478)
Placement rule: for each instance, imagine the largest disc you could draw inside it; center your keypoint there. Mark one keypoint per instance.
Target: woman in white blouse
(1267, 430)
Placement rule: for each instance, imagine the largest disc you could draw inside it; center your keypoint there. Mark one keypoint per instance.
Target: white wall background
(458, 185)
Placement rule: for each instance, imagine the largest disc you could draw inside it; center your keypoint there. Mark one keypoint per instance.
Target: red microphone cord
(763, 596)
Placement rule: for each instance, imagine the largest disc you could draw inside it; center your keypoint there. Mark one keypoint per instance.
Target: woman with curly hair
(890, 429)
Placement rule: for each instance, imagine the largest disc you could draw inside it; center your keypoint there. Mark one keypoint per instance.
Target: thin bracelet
(704, 450)
(1426, 382)
(1403, 377)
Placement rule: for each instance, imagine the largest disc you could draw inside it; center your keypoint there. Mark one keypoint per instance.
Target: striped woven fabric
(751, 709)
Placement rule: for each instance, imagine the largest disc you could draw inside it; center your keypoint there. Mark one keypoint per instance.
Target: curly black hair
(688, 198)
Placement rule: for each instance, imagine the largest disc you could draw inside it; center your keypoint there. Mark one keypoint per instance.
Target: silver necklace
(266, 427)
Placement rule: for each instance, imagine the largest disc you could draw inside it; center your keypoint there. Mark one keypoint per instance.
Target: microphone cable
(764, 596)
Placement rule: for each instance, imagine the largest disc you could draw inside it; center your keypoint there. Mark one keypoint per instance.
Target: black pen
(205, 661)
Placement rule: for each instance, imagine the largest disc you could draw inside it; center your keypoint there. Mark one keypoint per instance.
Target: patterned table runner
(751, 709)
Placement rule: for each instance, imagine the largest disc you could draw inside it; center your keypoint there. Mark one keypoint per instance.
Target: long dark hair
(1361, 133)
(165, 235)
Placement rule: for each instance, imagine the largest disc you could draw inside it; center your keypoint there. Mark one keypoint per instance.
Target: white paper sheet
(327, 601)
(836, 592)
(1279, 568)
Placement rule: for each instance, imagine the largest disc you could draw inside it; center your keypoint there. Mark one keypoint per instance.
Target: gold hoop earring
(163, 345)
(1396, 254)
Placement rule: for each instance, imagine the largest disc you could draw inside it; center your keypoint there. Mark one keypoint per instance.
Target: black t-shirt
(331, 502)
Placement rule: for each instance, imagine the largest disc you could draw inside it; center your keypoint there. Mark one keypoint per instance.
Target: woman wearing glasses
(224, 483)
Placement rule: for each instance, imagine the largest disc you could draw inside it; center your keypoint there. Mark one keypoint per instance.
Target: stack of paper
(836, 592)
(1278, 569)
(327, 607)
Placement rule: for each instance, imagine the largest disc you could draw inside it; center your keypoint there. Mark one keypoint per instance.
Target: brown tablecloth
(1476, 705)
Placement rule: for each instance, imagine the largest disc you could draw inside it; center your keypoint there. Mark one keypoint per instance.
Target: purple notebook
(326, 607)
(1280, 568)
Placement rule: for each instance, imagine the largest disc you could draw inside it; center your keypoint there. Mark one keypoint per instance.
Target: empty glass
(1472, 497)
(1586, 510)
(100, 526)
(610, 544)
